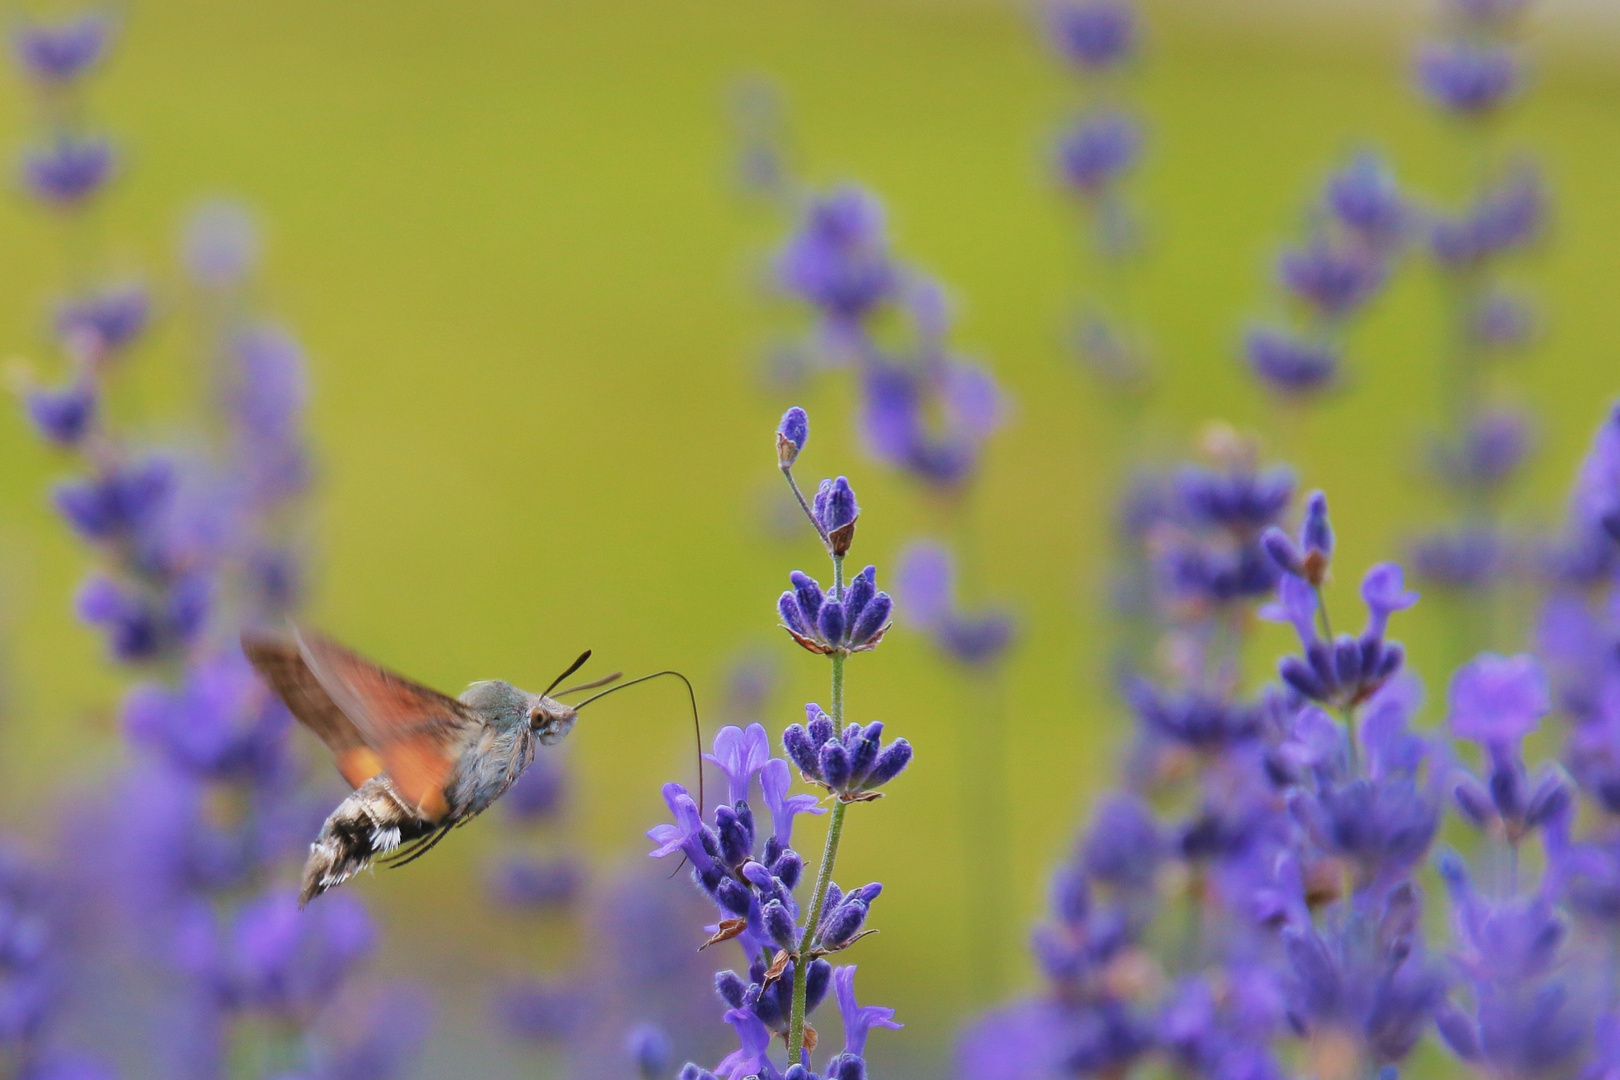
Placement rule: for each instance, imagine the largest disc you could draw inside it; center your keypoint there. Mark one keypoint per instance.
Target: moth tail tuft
(372, 821)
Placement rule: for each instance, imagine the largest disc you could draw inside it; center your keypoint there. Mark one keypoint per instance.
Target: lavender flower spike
(775, 779)
(741, 754)
(854, 623)
(852, 764)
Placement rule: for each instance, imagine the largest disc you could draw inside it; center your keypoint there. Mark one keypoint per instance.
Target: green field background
(508, 235)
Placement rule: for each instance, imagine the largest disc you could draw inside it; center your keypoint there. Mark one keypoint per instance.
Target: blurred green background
(509, 236)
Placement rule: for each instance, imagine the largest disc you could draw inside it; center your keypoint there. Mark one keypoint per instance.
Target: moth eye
(535, 716)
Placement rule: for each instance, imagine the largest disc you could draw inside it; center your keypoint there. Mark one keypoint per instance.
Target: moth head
(550, 719)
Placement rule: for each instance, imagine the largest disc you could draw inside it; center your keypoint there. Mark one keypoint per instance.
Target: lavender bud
(865, 753)
(1347, 660)
(821, 726)
(730, 987)
(834, 765)
(735, 844)
(779, 924)
(1282, 550)
(874, 617)
(890, 764)
(836, 511)
(1290, 366)
(846, 1067)
(817, 979)
(733, 896)
(1550, 800)
(808, 594)
(1507, 789)
(862, 587)
(1298, 674)
(690, 1071)
(843, 923)
(1466, 79)
(789, 868)
(796, 741)
(788, 608)
(791, 435)
(831, 624)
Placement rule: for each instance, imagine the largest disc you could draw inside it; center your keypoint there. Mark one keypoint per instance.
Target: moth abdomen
(371, 822)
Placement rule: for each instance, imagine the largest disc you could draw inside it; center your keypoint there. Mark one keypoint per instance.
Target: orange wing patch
(416, 732)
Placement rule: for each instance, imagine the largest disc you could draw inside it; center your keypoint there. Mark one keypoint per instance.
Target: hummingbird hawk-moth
(420, 762)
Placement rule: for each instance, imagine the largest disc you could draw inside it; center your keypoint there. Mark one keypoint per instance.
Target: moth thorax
(550, 720)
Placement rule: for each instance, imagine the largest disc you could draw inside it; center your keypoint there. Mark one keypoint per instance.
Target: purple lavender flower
(141, 625)
(1097, 149)
(219, 722)
(855, 622)
(1526, 1022)
(1347, 670)
(1502, 320)
(1333, 280)
(1095, 35)
(775, 779)
(1467, 79)
(852, 765)
(1488, 451)
(56, 53)
(858, 1019)
(290, 962)
(1238, 500)
(1499, 699)
(1290, 366)
(69, 170)
(121, 501)
(839, 259)
(1199, 721)
(740, 754)
(105, 322)
(63, 416)
(1366, 200)
(931, 421)
(1507, 216)
(1380, 988)
(927, 586)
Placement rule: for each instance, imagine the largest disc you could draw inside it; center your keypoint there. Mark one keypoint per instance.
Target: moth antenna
(575, 666)
(592, 685)
(691, 696)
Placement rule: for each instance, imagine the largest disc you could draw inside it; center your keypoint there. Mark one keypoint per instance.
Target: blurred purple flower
(1498, 699)
(927, 586)
(63, 416)
(1467, 79)
(69, 170)
(105, 322)
(1290, 366)
(54, 53)
(1095, 35)
(839, 259)
(1334, 280)
(1097, 149)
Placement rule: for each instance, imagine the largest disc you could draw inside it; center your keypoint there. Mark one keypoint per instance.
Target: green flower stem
(829, 855)
(801, 970)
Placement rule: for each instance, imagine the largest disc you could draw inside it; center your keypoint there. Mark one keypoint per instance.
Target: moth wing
(418, 732)
(279, 662)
